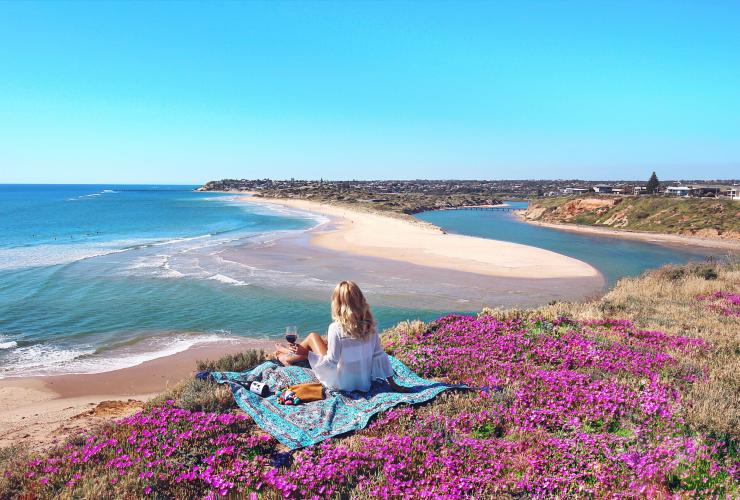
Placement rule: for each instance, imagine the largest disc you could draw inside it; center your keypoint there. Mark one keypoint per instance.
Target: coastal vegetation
(393, 197)
(708, 218)
(633, 393)
(653, 184)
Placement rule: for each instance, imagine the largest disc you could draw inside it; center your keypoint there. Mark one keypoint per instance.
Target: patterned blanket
(311, 423)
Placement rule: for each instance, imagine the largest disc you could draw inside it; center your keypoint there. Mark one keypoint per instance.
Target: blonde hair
(351, 310)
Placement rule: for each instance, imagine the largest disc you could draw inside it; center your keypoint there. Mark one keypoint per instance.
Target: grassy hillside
(634, 393)
(711, 218)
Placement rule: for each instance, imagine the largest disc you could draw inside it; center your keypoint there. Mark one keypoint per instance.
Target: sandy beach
(404, 240)
(667, 239)
(41, 410)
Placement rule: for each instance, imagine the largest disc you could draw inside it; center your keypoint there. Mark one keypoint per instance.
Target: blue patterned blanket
(311, 423)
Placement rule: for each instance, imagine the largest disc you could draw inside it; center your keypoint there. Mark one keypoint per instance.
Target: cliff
(702, 217)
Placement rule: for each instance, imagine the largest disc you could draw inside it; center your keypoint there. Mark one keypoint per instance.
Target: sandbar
(403, 239)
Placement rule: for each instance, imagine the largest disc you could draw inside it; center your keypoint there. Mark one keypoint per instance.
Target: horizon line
(734, 180)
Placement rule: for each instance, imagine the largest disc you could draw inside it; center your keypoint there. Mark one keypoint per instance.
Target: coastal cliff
(704, 218)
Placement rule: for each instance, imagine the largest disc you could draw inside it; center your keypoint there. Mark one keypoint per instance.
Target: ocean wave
(228, 280)
(52, 255)
(6, 343)
(181, 240)
(270, 209)
(152, 265)
(190, 257)
(36, 359)
(168, 272)
(66, 253)
(92, 195)
(49, 359)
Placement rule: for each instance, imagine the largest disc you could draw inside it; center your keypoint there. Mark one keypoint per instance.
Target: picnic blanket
(340, 412)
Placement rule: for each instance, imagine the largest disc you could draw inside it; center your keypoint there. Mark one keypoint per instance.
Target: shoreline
(373, 234)
(659, 238)
(38, 410)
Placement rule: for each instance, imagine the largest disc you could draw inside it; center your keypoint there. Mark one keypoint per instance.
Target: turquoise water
(94, 278)
(98, 277)
(613, 257)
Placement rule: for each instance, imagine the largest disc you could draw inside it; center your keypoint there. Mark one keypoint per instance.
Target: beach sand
(420, 243)
(39, 410)
(311, 271)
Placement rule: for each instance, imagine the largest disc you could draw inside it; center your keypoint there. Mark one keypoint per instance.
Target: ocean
(99, 277)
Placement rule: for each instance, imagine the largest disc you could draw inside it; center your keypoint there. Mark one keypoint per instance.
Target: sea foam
(228, 280)
(37, 359)
(92, 195)
(48, 359)
(51, 255)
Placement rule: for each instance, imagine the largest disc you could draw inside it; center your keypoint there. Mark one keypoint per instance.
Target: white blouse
(350, 364)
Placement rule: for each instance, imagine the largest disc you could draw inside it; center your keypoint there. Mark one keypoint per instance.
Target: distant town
(493, 188)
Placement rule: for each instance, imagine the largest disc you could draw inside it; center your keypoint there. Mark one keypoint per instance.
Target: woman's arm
(333, 350)
(382, 368)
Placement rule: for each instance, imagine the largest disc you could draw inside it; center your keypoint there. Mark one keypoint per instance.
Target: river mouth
(311, 271)
(614, 257)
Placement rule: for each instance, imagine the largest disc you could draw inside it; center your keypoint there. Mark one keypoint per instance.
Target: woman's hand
(298, 350)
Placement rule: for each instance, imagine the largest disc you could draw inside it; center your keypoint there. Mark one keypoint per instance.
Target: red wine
(290, 338)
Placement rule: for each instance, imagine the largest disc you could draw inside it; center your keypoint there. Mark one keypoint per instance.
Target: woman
(352, 357)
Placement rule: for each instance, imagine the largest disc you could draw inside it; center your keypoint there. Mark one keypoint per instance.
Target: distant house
(734, 192)
(639, 190)
(573, 190)
(603, 188)
(679, 190)
(618, 190)
(710, 190)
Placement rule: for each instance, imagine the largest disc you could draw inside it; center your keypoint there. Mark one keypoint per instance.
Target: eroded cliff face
(700, 217)
(571, 209)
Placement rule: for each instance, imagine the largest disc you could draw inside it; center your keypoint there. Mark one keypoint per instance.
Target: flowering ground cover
(725, 303)
(593, 408)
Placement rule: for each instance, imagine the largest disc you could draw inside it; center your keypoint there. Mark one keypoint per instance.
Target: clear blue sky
(183, 93)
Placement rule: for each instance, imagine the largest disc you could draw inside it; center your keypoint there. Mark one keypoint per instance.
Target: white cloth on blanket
(350, 364)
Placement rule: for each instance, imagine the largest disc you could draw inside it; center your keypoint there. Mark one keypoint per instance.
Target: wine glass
(291, 334)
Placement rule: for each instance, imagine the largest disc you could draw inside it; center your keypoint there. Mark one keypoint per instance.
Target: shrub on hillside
(706, 270)
(206, 395)
(234, 362)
